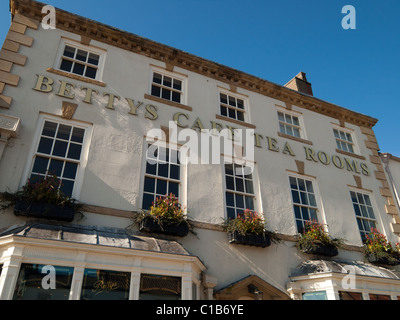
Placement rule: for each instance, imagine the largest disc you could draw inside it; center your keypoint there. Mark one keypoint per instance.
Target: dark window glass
(45, 145)
(29, 284)
(105, 285)
(94, 59)
(91, 72)
(79, 69)
(69, 51)
(40, 165)
(60, 148)
(155, 287)
(66, 65)
(74, 151)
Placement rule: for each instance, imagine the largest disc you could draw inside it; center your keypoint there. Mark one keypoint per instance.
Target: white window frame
(362, 217)
(91, 49)
(245, 110)
(174, 75)
(318, 201)
(286, 124)
(183, 167)
(346, 131)
(84, 153)
(256, 198)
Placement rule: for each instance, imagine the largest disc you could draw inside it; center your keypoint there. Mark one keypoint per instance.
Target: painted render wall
(113, 177)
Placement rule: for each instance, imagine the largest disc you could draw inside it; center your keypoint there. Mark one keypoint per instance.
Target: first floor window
(304, 201)
(162, 175)
(59, 154)
(364, 213)
(239, 189)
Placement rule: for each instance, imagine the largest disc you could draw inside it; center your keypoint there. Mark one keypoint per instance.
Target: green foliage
(44, 190)
(314, 235)
(248, 222)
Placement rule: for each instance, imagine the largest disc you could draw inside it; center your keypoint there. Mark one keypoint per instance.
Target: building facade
(86, 101)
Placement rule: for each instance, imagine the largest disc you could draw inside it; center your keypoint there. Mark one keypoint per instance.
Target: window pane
(60, 148)
(105, 285)
(66, 65)
(69, 51)
(240, 116)
(45, 145)
(176, 97)
(147, 201)
(151, 168)
(74, 151)
(155, 91)
(70, 170)
(161, 187)
(56, 167)
(49, 129)
(66, 187)
(167, 81)
(94, 59)
(223, 98)
(149, 184)
(230, 199)
(173, 188)
(224, 111)
(163, 170)
(64, 132)
(249, 203)
(81, 55)
(77, 135)
(239, 185)
(175, 172)
(91, 72)
(232, 113)
(157, 78)
(157, 287)
(29, 283)
(40, 165)
(177, 84)
(78, 69)
(239, 201)
(230, 183)
(166, 94)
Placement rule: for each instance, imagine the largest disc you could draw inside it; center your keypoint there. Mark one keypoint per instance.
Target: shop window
(162, 175)
(304, 201)
(239, 189)
(157, 287)
(378, 297)
(105, 285)
(347, 295)
(35, 282)
(318, 295)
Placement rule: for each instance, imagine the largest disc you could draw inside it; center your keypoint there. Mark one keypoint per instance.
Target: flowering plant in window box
(379, 250)
(248, 228)
(315, 240)
(41, 198)
(165, 216)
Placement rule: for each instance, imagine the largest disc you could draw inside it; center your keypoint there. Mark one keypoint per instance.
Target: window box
(383, 259)
(44, 211)
(174, 229)
(255, 240)
(320, 249)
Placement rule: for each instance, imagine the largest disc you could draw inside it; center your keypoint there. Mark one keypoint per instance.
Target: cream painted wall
(113, 175)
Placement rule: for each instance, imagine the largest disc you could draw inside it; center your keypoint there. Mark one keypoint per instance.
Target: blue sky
(274, 40)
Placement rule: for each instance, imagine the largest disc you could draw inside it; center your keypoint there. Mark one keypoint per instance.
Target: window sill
(76, 77)
(241, 123)
(168, 102)
(350, 154)
(284, 135)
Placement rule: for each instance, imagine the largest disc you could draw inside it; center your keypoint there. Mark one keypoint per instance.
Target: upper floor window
(304, 201)
(232, 106)
(60, 151)
(289, 124)
(162, 174)
(344, 140)
(364, 213)
(167, 86)
(239, 189)
(80, 60)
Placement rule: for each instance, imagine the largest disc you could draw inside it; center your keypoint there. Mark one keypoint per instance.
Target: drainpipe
(385, 157)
